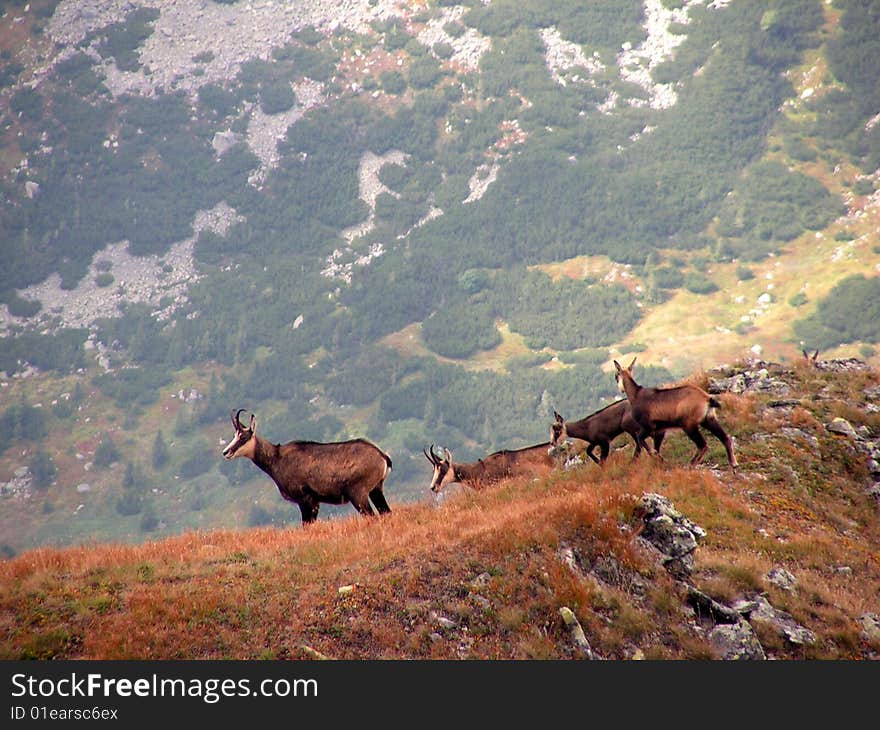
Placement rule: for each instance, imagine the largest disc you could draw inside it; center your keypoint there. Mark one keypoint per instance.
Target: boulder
(781, 578)
(736, 641)
(843, 427)
(670, 532)
(870, 623)
(578, 637)
(781, 622)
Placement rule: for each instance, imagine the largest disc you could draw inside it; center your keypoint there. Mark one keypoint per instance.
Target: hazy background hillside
(419, 222)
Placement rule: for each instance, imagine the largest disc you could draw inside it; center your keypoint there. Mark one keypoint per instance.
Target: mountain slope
(778, 560)
(418, 222)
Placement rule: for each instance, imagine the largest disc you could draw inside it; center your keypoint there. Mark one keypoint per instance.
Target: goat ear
(253, 426)
(448, 454)
(559, 419)
(632, 364)
(617, 365)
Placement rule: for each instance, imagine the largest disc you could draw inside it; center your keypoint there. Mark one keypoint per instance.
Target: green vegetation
(773, 204)
(850, 312)
(43, 470)
(461, 329)
(563, 315)
(121, 40)
(106, 452)
(678, 193)
(699, 283)
(843, 113)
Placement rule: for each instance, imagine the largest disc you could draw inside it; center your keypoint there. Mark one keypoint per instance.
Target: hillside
(652, 560)
(423, 221)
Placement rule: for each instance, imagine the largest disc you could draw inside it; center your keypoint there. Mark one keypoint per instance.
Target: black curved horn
(236, 420)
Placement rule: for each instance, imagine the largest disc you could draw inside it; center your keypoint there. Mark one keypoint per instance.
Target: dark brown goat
(308, 472)
(685, 406)
(600, 429)
(529, 461)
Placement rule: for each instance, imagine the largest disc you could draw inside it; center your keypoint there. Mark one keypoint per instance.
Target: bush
(667, 277)
(590, 356)
(563, 315)
(20, 307)
(744, 273)
(106, 453)
(130, 503)
(699, 283)
(392, 82)
(865, 186)
(149, 520)
(199, 461)
(42, 469)
(26, 422)
(798, 300)
(424, 72)
(277, 97)
(27, 103)
(461, 329)
(443, 50)
(797, 149)
(850, 313)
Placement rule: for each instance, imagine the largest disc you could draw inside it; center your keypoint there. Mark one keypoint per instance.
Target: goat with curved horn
(529, 461)
(685, 406)
(309, 473)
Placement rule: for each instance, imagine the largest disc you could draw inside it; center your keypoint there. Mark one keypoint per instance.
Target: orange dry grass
(270, 592)
(229, 593)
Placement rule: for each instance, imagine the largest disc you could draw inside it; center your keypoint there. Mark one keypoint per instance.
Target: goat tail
(714, 403)
(387, 462)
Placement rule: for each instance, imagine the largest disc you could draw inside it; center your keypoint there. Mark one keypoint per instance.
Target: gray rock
(578, 636)
(783, 403)
(843, 427)
(708, 607)
(791, 433)
(736, 641)
(781, 622)
(673, 539)
(481, 581)
(744, 607)
(443, 621)
(781, 578)
(224, 141)
(481, 601)
(673, 534)
(870, 623)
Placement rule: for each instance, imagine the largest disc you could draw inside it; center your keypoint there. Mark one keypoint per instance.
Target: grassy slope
(268, 593)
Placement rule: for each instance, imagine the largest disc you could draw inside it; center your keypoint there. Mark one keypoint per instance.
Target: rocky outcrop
(736, 641)
(761, 614)
(765, 378)
(669, 532)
